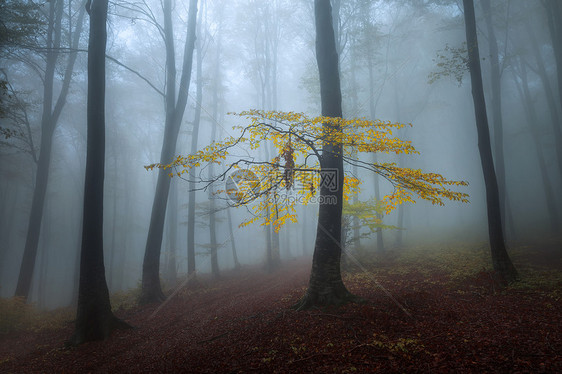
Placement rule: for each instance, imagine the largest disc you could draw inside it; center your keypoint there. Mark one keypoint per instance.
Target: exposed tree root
(499, 279)
(508, 274)
(88, 331)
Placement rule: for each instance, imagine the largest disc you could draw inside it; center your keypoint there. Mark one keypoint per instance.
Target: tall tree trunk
(270, 264)
(76, 229)
(213, 230)
(274, 58)
(212, 198)
(76, 272)
(532, 122)
(400, 225)
(355, 221)
(273, 255)
(111, 280)
(9, 209)
(49, 120)
(36, 215)
(401, 163)
(275, 242)
(304, 231)
(44, 255)
(495, 80)
(124, 239)
(212, 220)
(380, 242)
(378, 231)
(272, 237)
(151, 287)
(94, 319)
(269, 102)
(171, 266)
(232, 241)
(42, 173)
(551, 101)
(554, 16)
(354, 112)
(500, 259)
(325, 286)
(231, 231)
(267, 62)
(193, 171)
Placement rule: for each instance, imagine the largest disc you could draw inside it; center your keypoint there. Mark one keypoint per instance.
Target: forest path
(458, 320)
(173, 336)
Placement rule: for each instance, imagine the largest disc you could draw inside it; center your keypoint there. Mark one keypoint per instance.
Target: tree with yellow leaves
(298, 173)
(310, 154)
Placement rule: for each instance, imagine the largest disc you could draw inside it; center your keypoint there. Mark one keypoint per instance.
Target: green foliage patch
(16, 315)
(464, 263)
(124, 300)
(458, 261)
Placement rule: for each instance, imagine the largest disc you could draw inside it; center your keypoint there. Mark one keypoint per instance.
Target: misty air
(284, 186)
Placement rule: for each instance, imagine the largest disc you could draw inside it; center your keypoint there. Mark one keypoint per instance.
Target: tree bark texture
(500, 259)
(495, 80)
(325, 286)
(171, 266)
(49, 120)
(151, 287)
(94, 319)
(193, 171)
(372, 114)
(232, 241)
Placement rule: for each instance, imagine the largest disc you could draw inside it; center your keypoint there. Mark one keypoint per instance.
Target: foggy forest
(344, 186)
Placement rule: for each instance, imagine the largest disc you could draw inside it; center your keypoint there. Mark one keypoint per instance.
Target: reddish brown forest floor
(460, 322)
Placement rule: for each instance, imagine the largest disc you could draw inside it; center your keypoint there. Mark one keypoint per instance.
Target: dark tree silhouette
(532, 125)
(175, 109)
(540, 69)
(192, 172)
(497, 118)
(49, 120)
(94, 319)
(325, 286)
(500, 259)
(554, 16)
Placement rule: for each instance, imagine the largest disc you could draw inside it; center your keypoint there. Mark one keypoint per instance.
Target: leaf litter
(461, 321)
